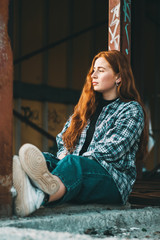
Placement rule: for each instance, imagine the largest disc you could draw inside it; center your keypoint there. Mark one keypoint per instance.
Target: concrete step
(84, 222)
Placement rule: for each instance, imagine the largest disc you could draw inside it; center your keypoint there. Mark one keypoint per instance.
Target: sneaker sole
(19, 183)
(34, 164)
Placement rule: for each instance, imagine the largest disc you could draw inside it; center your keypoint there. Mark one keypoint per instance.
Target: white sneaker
(34, 164)
(28, 198)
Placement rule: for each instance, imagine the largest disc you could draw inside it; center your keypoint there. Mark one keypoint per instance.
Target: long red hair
(89, 99)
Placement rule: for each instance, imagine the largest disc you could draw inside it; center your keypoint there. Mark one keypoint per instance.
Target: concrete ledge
(75, 208)
(83, 222)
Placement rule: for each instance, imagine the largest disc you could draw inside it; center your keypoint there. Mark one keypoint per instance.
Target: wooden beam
(146, 193)
(119, 26)
(44, 92)
(61, 41)
(6, 72)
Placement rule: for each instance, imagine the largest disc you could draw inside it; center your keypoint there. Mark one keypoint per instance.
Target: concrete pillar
(6, 77)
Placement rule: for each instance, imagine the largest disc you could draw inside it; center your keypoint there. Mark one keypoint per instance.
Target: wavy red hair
(89, 99)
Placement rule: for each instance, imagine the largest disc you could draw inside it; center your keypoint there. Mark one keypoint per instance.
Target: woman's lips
(94, 83)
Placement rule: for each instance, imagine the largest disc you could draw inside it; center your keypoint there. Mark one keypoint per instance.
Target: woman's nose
(94, 74)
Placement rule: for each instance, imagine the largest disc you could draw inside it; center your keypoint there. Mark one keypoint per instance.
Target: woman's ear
(118, 80)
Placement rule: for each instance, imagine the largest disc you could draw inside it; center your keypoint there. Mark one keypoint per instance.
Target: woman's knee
(72, 162)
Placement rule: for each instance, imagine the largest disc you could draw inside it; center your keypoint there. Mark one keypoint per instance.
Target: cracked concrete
(84, 222)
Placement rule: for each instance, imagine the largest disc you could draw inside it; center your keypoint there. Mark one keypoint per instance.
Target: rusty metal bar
(6, 72)
(119, 36)
(119, 26)
(55, 44)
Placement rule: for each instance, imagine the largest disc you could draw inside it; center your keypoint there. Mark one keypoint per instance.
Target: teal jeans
(86, 181)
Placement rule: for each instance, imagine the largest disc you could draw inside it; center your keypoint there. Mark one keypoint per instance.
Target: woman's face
(104, 79)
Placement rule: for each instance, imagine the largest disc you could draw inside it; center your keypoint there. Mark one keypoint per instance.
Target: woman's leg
(34, 164)
(86, 181)
(78, 178)
(29, 198)
(51, 160)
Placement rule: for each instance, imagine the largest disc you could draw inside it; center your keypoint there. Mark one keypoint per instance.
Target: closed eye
(99, 69)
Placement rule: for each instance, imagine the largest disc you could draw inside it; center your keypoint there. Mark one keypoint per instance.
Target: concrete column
(6, 88)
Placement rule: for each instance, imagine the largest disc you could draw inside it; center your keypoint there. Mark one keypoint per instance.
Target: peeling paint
(2, 34)
(6, 105)
(6, 181)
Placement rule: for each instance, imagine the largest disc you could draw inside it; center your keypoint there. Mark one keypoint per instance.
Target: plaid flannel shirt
(114, 143)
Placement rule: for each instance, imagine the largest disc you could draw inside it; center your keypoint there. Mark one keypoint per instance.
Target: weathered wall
(6, 113)
(36, 24)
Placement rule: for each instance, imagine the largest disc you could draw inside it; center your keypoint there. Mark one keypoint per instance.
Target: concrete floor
(84, 222)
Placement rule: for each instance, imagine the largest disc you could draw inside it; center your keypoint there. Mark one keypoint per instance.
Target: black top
(93, 121)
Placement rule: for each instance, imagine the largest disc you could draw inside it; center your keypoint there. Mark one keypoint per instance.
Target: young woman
(97, 147)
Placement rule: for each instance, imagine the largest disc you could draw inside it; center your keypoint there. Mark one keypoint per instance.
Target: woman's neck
(109, 97)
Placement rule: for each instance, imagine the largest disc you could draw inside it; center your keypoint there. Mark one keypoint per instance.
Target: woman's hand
(62, 155)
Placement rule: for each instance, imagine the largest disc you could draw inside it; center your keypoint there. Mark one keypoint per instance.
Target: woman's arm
(62, 155)
(119, 139)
